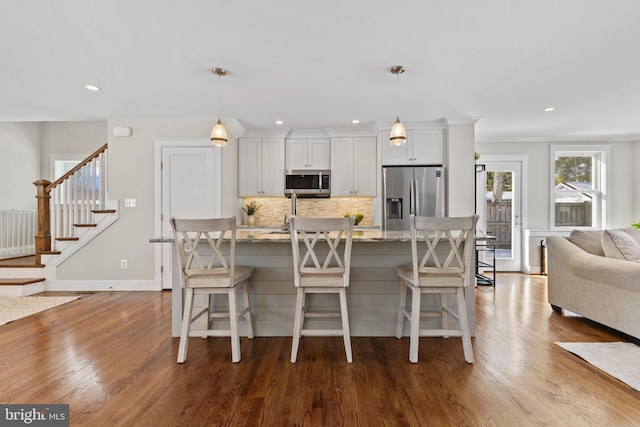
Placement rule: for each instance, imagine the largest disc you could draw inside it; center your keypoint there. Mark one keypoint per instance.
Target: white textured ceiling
(319, 64)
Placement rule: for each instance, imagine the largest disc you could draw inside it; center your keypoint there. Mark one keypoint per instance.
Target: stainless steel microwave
(307, 183)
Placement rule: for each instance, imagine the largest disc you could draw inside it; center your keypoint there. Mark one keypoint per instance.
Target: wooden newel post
(43, 238)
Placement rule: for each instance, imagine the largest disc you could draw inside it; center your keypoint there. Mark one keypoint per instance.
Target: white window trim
(602, 172)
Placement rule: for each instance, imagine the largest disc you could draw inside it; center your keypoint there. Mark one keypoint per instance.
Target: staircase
(72, 211)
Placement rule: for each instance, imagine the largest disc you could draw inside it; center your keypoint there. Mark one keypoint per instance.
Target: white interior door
(500, 210)
(191, 188)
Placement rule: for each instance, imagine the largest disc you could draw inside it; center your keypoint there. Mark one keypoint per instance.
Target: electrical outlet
(124, 264)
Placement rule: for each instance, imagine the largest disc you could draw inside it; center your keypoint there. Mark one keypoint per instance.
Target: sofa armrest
(616, 272)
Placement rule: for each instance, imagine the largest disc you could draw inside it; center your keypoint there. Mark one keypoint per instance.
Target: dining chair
(321, 265)
(443, 266)
(208, 269)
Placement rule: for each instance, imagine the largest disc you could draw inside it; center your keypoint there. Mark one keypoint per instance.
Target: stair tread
(28, 261)
(21, 281)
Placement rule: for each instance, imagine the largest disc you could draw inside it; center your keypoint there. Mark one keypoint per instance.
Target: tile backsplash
(273, 209)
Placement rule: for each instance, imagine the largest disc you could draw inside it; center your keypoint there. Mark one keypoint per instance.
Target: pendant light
(219, 133)
(398, 134)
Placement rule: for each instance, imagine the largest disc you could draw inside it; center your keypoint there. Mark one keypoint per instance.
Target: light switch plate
(129, 203)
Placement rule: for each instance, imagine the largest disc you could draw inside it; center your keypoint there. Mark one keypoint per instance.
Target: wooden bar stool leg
(444, 319)
(297, 324)
(401, 308)
(415, 324)
(186, 323)
(247, 309)
(464, 325)
(233, 321)
(345, 324)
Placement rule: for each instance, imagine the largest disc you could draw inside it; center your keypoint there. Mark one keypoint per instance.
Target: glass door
(499, 205)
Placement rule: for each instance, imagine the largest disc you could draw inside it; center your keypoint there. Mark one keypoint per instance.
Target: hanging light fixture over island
(219, 133)
(398, 134)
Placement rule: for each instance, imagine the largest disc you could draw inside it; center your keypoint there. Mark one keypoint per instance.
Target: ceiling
(320, 64)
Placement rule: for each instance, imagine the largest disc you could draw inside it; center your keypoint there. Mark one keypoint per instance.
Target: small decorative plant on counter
(636, 225)
(250, 209)
(358, 217)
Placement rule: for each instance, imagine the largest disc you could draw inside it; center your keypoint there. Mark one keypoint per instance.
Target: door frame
(523, 159)
(163, 251)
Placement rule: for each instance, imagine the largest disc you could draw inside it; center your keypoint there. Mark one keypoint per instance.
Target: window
(579, 178)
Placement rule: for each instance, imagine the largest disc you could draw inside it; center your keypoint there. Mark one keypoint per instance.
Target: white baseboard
(103, 285)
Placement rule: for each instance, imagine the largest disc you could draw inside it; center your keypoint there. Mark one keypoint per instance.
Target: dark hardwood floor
(110, 356)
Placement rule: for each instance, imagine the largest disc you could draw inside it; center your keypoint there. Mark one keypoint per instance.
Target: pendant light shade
(398, 134)
(219, 133)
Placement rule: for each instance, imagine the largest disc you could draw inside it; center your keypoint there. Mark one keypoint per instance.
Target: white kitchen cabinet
(308, 153)
(353, 166)
(423, 147)
(260, 167)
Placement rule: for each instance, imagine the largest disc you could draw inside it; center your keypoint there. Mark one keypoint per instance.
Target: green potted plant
(358, 217)
(250, 209)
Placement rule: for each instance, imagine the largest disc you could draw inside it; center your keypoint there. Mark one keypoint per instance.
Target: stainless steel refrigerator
(417, 190)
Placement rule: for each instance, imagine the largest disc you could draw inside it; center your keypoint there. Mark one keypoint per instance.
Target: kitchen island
(372, 296)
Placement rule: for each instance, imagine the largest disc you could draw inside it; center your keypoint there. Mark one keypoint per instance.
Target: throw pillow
(588, 240)
(620, 245)
(633, 232)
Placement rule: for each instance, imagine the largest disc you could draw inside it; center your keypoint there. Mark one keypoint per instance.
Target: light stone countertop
(265, 235)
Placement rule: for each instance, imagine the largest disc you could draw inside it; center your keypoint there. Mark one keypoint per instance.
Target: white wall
(131, 175)
(623, 193)
(70, 138)
(19, 164)
(624, 197)
(460, 169)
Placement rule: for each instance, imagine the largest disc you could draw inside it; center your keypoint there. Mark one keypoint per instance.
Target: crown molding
(573, 138)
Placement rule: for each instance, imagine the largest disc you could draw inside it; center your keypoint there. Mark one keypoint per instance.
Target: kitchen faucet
(294, 211)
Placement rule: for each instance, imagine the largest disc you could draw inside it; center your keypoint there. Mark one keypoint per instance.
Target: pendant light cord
(218, 96)
(398, 95)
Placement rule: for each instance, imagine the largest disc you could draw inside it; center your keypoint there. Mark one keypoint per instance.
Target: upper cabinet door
(272, 167)
(319, 153)
(260, 167)
(423, 147)
(353, 166)
(365, 166)
(302, 153)
(395, 154)
(249, 165)
(342, 162)
(296, 154)
(427, 146)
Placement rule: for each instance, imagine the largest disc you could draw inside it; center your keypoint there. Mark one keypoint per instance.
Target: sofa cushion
(588, 240)
(633, 232)
(620, 245)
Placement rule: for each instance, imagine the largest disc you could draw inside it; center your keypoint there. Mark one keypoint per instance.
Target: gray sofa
(591, 274)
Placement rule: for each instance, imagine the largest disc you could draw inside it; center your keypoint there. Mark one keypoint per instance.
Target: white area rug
(618, 359)
(13, 308)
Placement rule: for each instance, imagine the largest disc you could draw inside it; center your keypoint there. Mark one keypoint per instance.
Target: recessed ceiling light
(355, 121)
(279, 122)
(92, 88)
(549, 109)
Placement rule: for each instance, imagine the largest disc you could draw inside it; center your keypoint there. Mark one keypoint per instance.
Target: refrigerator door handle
(412, 198)
(416, 199)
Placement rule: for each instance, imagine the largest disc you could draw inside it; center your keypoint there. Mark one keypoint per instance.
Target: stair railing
(70, 202)
(17, 228)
